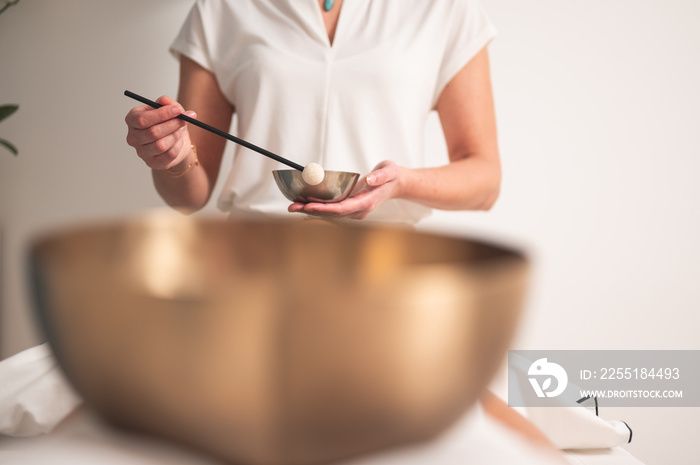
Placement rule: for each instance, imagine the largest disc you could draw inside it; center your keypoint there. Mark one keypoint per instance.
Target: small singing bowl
(276, 343)
(335, 187)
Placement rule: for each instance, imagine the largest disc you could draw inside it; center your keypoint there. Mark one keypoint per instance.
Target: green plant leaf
(9, 146)
(7, 110)
(8, 4)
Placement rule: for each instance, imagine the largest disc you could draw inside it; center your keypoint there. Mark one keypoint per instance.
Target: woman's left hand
(369, 193)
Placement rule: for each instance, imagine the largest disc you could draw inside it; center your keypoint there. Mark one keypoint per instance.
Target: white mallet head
(313, 174)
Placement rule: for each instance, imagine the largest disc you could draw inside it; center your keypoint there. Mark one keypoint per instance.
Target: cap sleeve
(191, 41)
(469, 30)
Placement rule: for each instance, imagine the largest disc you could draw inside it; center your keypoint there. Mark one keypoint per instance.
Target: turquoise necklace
(328, 4)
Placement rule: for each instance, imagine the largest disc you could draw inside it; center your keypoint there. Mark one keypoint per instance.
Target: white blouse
(346, 105)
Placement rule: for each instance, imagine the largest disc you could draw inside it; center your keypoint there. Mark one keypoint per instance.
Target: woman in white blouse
(348, 85)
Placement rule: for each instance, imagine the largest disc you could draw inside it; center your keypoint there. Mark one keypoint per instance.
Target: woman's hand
(369, 193)
(161, 139)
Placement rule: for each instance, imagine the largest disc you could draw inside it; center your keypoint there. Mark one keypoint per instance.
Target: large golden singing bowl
(336, 186)
(276, 342)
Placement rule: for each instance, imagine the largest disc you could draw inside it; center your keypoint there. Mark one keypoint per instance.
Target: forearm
(472, 179)
(188, 185)
(471, 183)
(185, 187)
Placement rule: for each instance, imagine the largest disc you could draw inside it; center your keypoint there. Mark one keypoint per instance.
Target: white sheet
(34, 394)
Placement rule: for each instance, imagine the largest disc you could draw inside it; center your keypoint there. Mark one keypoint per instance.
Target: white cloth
(346, 105)
(34, 394)
(567, 425)
(577, 427)
(612, 456)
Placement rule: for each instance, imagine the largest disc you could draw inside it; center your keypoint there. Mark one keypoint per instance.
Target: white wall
(67, 64)
(597, 106)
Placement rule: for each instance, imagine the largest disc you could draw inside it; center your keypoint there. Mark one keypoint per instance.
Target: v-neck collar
(320, 26)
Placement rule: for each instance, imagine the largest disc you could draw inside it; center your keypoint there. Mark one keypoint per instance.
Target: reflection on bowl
(336, 186)
(276, 343)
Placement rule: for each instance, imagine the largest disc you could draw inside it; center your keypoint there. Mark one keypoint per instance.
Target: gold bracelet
(177, 174)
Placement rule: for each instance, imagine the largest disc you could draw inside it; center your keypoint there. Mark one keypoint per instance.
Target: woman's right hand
(161, 139)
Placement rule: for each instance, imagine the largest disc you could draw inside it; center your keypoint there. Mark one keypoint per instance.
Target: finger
(296, 207)
(166, 100)
(384, 172)
(144, 117)
(161, 145)
(345, 207)
(379, 177)
(311, 207)
(166, 159)
(337, 207)
(140, 137)
(333, 217)
(158, 131)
